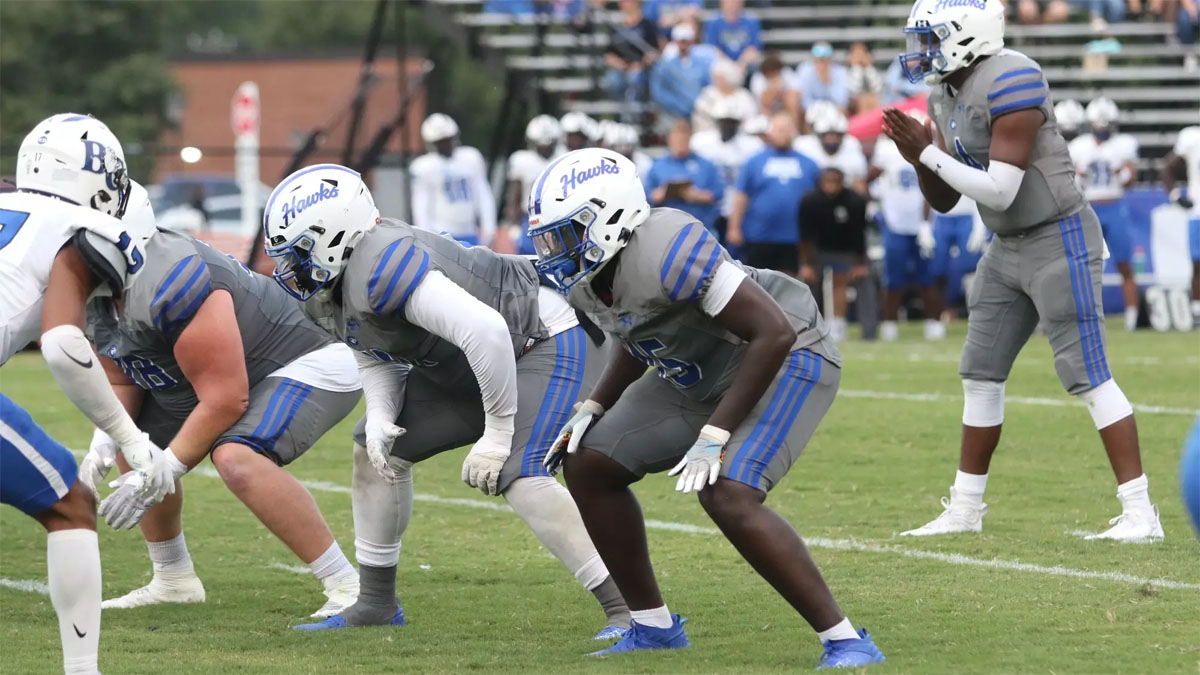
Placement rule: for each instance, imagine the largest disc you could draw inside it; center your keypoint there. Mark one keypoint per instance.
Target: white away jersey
(452, 195)
(1187, 146)
(729, 156)
(897, 189)
(33, 228)
(849, 156)
(525, 166)
(1097, 162)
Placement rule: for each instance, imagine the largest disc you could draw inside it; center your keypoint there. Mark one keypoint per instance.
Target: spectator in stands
(833, 235)
(683, 71)
(736, 33)
(898, 88)
(514, 7)
(728, 148)
(821, 79)
(666, 14)
(766, 207)
(775, 87)
(1032, 12)
(865, 82)
(1187, 22)
(683, 180)
(726, 85)
(632, 47)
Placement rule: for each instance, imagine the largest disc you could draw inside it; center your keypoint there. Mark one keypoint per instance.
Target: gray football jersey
(661, 277)
(1004, 83)
(179, 274)
(366, 310)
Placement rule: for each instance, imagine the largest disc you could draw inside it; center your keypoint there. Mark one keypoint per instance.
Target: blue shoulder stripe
(708, 267)
(383, 261)
(1018, 72)
(691, 260)
(1017, 105)
(175, 272)
(416, 279)
(678, 244)
(1015, 88)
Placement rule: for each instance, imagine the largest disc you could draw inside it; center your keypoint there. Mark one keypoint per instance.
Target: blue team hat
(822, 50)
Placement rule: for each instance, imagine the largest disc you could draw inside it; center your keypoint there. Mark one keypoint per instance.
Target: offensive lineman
(450, 188)
(255, 398)
(1106, 163)
(71, 182)
(736, 375)
(992, 106)
(445, 338)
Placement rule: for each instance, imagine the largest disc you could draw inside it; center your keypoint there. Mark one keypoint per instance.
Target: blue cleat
(851, 653)
(647, 637)
(611, 633)
(335, 622)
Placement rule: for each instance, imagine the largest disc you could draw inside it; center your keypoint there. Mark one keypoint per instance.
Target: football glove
(978, 237)
(100, 458)
(925, 240)
(702, 463)
(380, 436)
(125, 507)
(482, 467)
(158, 468)
(567, 441)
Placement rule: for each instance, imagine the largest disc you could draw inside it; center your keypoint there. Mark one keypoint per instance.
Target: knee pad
(983, 403)
(1107, 404)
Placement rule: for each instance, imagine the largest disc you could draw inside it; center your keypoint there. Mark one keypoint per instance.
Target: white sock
(842, 631)
(659, 617)
(889, 330)
(171, 558)
(1131, 318)
(332, 565)
(550, 512)
(73, 574)
(1135, 495)
(969, 487)
(381, 511)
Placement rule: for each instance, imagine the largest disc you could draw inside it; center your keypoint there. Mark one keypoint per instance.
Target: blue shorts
(36, 471)
(950, 232)
(1114, 221)
(1194, 238)
(902, 261)
(1189, 476)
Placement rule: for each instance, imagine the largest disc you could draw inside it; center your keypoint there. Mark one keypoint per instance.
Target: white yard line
(294, 569)
(27, 585)
(1024, 400)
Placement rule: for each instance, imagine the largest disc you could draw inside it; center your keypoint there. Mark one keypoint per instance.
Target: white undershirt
(555, 312)
(725, 283)
(331, 368)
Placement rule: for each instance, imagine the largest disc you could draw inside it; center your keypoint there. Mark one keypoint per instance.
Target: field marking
(1025, 400)
(27, 585)
(294, 569)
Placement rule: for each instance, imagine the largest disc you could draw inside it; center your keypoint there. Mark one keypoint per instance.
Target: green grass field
(481, 595)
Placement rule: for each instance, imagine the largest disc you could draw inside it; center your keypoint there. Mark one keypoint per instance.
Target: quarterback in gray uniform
(211, 358)
(997, 142)
(743, 370)
(446, 336)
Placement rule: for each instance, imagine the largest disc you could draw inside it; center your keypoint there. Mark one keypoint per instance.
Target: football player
(579, 131)
(998, 144)
(828, 144)
(743, 371)
(445, 337)
(1070, 116)
(1182, 165)
(212, 358)
(543, 134)
(450, 188)
(60, 242)
(1106, 163)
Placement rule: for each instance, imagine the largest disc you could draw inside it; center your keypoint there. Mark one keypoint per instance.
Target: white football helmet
(543, 130)
(576, 122)
(312, 222)
(438, 127)
(139, 216)
(948, 35)
(621, 137)
(732, 108)
(76, 158)
(582, 210)
(1069, 115)
(1102, 112)
(756, 125)
(825, 118)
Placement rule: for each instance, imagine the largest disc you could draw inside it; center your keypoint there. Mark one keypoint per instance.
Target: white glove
(125, 507)
(978, 237)
(380, 436)
(100, 458)
(925, 240)
(571, 434)
(158, 470)
(482, 467)
(702, 463)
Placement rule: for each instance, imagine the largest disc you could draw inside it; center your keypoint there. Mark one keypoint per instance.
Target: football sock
(73, 573)
(659, 617)
(1131, 318)
(171, 558)
(548, 509)
(376, 597)
(614, 605)
(889, 330)
(332, 565)
(381, 511)
(842, 631)
(969, 487)
(1135, 495)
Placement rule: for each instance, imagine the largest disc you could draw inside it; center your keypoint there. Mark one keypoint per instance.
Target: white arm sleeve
(79, 374)
(725, 283)
(486, 203)
(443, 308)
(995, 188)
(383, 385)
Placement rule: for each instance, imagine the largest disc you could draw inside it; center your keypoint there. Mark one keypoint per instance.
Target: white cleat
(1132, 526)
(340, 596)
(889, 331)
(957, 517)
(160, 591)
(935, 330)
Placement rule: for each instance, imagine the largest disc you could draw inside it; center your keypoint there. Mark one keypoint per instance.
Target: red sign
(245, 109)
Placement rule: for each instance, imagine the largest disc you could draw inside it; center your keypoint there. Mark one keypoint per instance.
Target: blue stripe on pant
(565, 382)
(799, 377)
(1085, 300)
(36, 471)
(285, 402)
